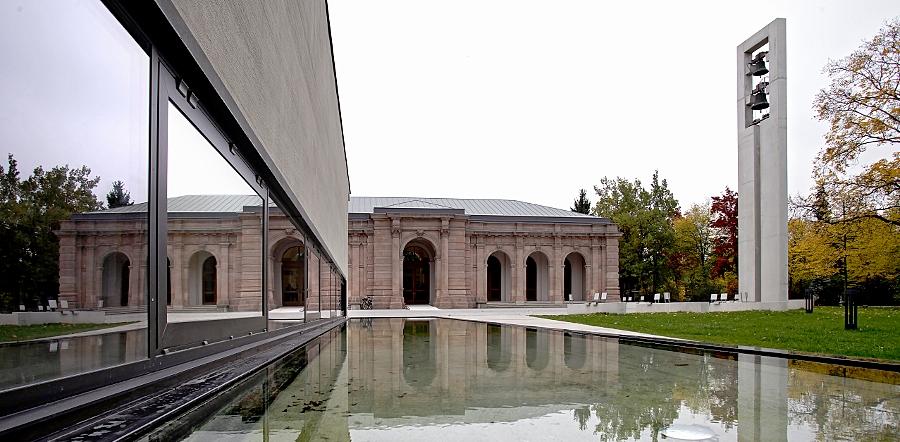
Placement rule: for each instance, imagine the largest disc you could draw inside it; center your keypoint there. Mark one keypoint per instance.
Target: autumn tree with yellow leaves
(847, 231)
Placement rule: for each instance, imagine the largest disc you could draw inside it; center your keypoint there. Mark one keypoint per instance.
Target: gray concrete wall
(274, 58)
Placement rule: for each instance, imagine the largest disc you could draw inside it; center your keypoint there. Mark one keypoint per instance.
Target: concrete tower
(762, 165)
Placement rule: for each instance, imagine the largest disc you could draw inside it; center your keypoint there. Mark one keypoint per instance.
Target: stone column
(353, 273)
(445, 261)
(396, 263)
(597, 280)
(363, 266)
(557, 266)
(518, 267)
(480, 274)
(91, 293)
(612, 266)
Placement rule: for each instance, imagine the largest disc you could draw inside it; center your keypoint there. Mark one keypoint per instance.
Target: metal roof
(198, 203)
(364, 205)
(474, 207)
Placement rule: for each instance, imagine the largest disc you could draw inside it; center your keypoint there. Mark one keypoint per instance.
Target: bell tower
(762, 165)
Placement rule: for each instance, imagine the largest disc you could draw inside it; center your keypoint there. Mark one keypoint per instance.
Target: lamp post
(810, 300)
(850, 313)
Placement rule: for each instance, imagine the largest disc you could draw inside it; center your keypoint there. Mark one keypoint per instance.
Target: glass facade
(76, 145)
(127, 214)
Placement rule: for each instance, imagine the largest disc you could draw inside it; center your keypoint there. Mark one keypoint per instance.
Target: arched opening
(202, 279)
(498, 277)
(292, 274)
(536, 277)
(536, 349)
(574, 277)
(419, 358)
(574, 350)
(209, 280)
(115, 284)
(418, 273)
(498, 354)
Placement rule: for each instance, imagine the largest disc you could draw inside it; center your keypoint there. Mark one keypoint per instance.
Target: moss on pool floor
(13, 333)
(820, 332)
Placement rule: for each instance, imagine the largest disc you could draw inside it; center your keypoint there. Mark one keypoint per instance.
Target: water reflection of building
(444, 252)
(398, 379)
(444, 367)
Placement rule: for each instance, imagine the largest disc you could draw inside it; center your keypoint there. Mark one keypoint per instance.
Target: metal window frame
(175, 91)
(151, 30)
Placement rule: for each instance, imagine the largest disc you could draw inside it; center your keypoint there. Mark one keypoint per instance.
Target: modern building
(181, 101)
(449, 253)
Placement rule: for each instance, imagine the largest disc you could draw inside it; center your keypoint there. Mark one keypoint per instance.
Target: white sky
(195, 166)
(532, 100)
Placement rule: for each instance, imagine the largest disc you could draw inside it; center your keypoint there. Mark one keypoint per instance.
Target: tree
(724, 221)
(692, 261)
(644, 217)
(582, 204)
(828, 257)
(29, 212)
(118, 196)
(862, 107)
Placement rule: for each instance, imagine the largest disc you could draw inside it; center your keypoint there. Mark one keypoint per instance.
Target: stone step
(529, 304)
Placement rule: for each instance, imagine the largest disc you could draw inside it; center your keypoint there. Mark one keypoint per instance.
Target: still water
(28, 362)
(448, 380)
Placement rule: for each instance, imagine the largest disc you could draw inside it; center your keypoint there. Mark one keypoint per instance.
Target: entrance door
(416, 276)
(292, 277)
(494, 280)
(530, 279)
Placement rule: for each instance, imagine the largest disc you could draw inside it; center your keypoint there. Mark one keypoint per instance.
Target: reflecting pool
(412, 379)
(39, 360)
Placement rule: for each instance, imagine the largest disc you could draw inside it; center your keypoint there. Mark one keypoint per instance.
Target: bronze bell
(758, 65)
(758, 101)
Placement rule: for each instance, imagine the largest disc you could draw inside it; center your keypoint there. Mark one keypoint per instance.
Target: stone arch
(116, 280)
(419, 271)
(537, 277)
(498, 277)
(288, 282)
(574, 277)
(203, 273)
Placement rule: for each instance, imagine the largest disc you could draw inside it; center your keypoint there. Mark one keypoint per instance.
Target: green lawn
(12, 333)
(820, 332)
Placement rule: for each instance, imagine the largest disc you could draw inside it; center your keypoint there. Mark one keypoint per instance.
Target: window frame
(149, 27)
(180, 335)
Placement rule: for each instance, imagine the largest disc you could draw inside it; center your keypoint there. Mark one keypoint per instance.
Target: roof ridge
(420, 200)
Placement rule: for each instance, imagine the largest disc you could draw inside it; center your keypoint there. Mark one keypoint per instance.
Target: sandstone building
(449, 253)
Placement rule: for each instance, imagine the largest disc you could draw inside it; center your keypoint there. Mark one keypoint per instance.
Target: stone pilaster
(396, 264)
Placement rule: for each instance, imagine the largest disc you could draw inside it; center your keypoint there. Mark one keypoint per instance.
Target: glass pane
(73, 218)
(287, 270)
(215, 232)
(314, 295)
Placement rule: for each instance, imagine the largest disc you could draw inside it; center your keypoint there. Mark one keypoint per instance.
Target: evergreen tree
(118, 196)
(582, 204)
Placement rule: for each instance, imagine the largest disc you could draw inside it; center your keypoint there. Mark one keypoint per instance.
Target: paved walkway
(511, 316)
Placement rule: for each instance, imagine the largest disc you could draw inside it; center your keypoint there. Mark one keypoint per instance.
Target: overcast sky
(491, 99)
(532, 100)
